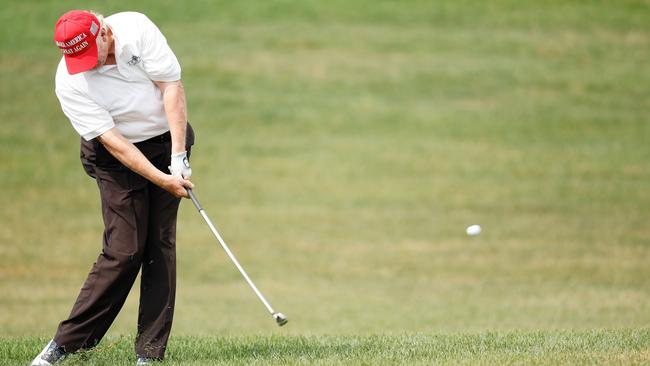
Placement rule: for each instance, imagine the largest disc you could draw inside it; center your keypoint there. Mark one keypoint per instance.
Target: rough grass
(622, 347)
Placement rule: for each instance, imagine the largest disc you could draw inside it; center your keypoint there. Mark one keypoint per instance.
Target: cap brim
(82, 62)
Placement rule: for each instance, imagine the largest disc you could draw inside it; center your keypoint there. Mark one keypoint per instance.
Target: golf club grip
(195, 201)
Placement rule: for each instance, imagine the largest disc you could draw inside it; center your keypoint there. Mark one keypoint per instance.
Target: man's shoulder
(127, 19)
(129, 27)
(62, 78)
(126, 16)
(66, 83)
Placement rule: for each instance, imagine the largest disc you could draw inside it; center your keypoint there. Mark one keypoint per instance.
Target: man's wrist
(160, 178)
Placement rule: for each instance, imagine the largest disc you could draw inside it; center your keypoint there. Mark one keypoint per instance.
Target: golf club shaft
(225, 247)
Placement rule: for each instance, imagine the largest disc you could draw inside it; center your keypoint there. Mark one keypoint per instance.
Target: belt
(165, 137)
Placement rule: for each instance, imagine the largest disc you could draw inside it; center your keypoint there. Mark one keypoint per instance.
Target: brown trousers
(139, 232)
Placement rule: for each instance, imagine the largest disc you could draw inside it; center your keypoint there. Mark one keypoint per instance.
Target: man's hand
(180, 165)
(130, 156)
(177, 186)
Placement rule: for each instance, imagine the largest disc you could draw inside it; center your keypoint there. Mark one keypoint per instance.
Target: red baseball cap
(75, 34)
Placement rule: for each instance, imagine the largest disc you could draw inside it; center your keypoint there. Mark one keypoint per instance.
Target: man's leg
(158, 281)
(125, 206)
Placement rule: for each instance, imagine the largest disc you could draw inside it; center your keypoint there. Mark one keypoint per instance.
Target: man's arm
(132, 158)
(176, 110)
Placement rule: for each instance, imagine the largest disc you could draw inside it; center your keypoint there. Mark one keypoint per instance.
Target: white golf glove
(180, 166)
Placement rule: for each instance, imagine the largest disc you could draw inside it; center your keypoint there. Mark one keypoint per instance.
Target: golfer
(119, 83)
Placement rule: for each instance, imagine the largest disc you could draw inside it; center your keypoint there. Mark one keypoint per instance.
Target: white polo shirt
(123, 95)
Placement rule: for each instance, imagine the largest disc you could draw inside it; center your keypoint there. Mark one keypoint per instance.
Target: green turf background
(342, 149)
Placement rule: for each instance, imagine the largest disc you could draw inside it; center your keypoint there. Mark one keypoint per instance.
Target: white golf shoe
(142, 361)
(50, 355)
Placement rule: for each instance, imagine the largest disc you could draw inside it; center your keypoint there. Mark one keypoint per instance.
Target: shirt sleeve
(87, 117)
(158, 60)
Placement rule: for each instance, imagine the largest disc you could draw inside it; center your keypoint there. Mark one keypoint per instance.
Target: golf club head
(280, 318)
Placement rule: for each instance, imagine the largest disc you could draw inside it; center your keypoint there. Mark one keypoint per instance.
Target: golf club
(280, 318)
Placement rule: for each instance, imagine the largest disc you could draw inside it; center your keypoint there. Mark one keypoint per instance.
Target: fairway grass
(624, 347)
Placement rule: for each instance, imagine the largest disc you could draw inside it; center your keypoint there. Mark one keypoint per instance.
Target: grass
(342, 148)
(539, 348)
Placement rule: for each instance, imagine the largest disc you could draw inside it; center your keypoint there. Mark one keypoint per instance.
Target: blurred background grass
(342, 148)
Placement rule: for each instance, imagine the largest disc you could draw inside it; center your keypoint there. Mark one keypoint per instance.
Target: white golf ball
(473, 230)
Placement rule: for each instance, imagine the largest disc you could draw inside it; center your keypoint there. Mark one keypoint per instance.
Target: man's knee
(122, 261)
